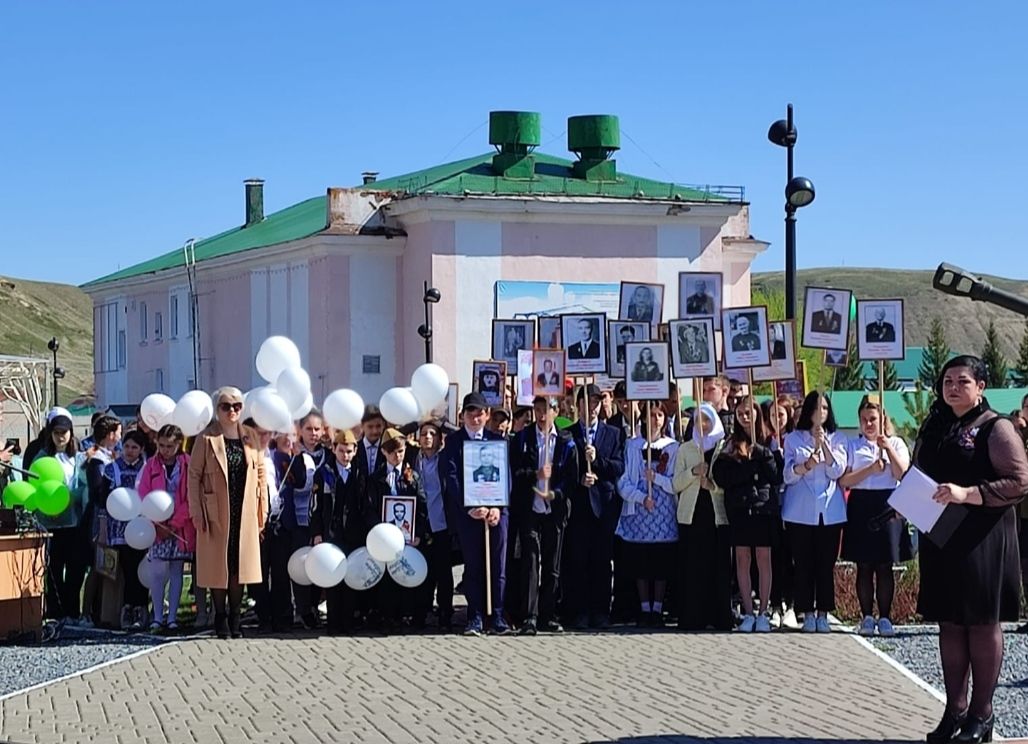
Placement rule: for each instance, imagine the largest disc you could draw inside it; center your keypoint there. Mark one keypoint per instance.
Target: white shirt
(475, 436)
(861, 452)
(372, 452)
(274, 500)
(392, 476)
(546, 445)
(813, 498)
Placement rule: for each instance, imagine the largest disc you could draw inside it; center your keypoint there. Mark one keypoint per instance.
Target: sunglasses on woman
(226, 407)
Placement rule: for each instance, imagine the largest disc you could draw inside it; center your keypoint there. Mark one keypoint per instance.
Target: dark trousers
(70, 554)
(276, 549)
(472, 542)
(440, 575)
(542, 538)
(625, 604)
(136, 595)
(782, 570)
(814, 551)
(588, 570)
(305, 598)
(342, 605)
(514, 593)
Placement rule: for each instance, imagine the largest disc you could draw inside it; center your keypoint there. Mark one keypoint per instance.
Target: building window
(122, 350)
(372, 364)
(143, 328)
(173, 317)
(159, 380)
(158, 325)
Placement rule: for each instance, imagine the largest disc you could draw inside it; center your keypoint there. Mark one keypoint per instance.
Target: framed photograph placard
(620, 333)
(648, 365)
(548, 365)
(489, 378)
(401, 511)
(836, 358)
(880, 329)
(585, 341)
(746, 337)
(549, 332)
(782, 335)
(486, 475)
(525, 384)
(693, 352)
(826, 318)
(509, 337)
(640, 302)
(700, 294)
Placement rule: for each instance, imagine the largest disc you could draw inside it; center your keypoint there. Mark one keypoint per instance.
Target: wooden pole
(753, 403)
(774, 413)
(678, 413)
(488, 572)
(697, 398)
(588, 421)
(881, 396)
(649, 452)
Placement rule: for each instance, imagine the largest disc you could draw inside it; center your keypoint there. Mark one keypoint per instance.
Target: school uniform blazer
(338, 509)
(451, 474)
(608, 467)
(409, 484)
(524, 455)
(361, 459)
(209, 510)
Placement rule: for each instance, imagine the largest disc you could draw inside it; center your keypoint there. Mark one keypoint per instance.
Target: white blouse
(813, 498)
(861, 452)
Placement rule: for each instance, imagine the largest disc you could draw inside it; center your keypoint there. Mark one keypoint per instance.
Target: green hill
(33, 312)
(965, 320)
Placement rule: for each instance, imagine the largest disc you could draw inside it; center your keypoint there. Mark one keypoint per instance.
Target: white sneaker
(885, 628)
(776, 620)
(763, 624)
(822, 624)
(809, 623)
(747, 624)
(789, 619)
(867, 626)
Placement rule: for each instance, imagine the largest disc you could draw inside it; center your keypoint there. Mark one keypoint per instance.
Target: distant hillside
(965, 320)
(33, 312)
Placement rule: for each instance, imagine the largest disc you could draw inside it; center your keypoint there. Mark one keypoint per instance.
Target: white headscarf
(707, 442)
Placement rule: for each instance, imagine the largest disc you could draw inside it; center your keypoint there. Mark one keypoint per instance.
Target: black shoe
(221, 624)
(552, 626)
(1022, 628)
(235, 625)
(975, 729)
(600, 622)
(947, 728)
(529, 628)
(643, 621)
(309, 621)
(581, 622)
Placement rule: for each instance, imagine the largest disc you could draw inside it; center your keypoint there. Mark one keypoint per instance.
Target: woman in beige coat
(226, 504)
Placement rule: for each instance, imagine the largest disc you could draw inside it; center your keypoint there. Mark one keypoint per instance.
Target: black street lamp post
(58, 374)
(432, 296)
(799, 192)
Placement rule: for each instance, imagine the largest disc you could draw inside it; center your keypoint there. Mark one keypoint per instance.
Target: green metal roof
(846, 402)
(553, 177)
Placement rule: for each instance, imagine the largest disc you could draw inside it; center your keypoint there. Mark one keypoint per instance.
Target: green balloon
(48, 469)
(19, 493)
(562, 422)
(52, 497)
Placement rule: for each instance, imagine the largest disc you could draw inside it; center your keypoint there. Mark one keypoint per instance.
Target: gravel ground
(22, 666)
(917, 648)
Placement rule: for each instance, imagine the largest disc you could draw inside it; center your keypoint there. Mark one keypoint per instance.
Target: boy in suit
(370, 459)
(438, 541)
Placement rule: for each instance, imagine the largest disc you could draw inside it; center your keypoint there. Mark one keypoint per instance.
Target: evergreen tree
(892, 381)
(993, 357)
(916, 404)
(1021, 368)
(851, 377)
(934, 355)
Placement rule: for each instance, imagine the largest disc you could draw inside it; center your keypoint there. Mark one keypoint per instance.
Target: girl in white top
(877, 461)
(813, 508)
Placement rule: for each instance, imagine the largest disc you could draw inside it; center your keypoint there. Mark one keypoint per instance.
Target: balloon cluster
(142, 515)
(405, 405)
(325, 566)
(287, 397)
(192, 413)
(47, 493)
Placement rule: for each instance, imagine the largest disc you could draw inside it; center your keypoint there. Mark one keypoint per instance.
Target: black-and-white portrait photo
(585, 341)
(620, 333)
(641, 302)
(648, 369)
(692, 348)
(826, 314)
(489, 378)
(700, 294)
(548, 368)
(782, 337)
(746, 337)
(880, 324)
(510, 337)
(549, 332)
(400, 511)
(486, 473)
(835, 358)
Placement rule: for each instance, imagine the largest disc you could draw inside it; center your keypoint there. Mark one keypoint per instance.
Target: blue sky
(129, 127)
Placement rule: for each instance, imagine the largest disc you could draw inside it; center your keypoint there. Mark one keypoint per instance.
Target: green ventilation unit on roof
(594, 138)
(514, 134)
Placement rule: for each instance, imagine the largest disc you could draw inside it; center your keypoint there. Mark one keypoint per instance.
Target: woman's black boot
(976, 729)
(221, 624)
(947, 728)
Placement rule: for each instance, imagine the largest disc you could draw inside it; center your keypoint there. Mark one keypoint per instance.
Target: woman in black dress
(970, 584)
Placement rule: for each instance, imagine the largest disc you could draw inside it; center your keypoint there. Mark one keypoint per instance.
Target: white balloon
(410, 569)
(325, 565)
(148, 572)
(270, 411)
(304, 409)
(399, 406)
(156, 410)
(294, 385)
(276, 354)
(385, 542)
(158, 506)
(363, 571)
(193, 412)
(343, 409)
(140, 533)
(429, 383)
(296, 567)
(123, 504)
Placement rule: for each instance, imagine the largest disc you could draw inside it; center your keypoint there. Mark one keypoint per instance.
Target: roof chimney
(254, 201)
(369, 177)
(514, 134)
(594, 138)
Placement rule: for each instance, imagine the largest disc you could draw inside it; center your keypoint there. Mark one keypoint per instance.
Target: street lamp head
(799, 192)
(425, 331)
(432, 295)
(58, 373)
(53, 344)
(782, 134)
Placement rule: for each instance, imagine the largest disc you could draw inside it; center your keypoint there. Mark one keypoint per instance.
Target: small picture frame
(585, 342)
(486, 473)
(700, 295)
(401, 511)
(619, 333)
(693, 351)
(447, 410)
(782, 337)
(549, 332)
(549, 370)
(489, 377)
(525, 383)
(641, 303)
(648, 366)
(836, 358)
(880, 330)
(826, 318)
(746, 343)
(509, 337)
(790, 392)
